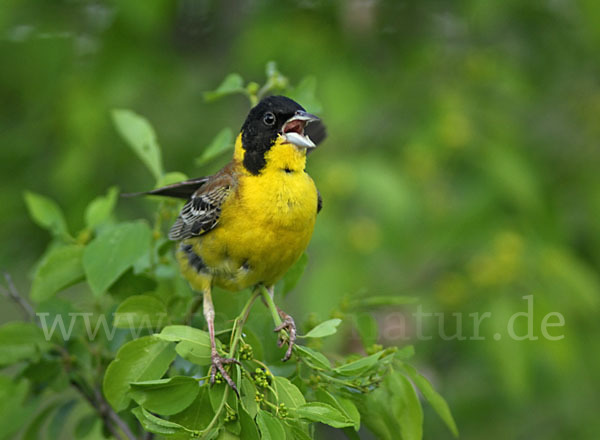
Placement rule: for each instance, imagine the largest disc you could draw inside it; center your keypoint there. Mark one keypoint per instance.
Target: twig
(111, 419)
(13, 294)
(112, 415)
(105, 419)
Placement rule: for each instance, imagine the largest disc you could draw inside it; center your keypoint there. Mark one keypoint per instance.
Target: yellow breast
(265, 226)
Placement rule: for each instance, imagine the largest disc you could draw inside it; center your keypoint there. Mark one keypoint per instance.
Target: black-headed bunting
(247, 224)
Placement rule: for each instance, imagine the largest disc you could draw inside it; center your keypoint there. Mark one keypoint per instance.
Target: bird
(247, 224)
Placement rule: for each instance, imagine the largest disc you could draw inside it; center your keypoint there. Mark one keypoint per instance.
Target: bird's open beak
(293, 129)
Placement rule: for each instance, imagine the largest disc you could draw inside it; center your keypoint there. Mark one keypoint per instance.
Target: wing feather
(202, 211)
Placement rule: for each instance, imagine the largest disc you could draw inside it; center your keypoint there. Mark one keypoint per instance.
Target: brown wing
(202, 211)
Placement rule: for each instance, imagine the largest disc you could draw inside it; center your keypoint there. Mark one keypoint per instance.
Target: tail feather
(180, 190)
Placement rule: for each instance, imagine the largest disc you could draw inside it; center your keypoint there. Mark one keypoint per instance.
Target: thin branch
(110, 418)
(105, 420)
(13, 294)
(112, 415)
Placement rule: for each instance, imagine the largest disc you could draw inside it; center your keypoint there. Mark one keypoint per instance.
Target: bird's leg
(287, 323)
(217, 361)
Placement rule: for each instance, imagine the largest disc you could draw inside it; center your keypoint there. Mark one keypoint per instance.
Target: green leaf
(270, 426)
(343, 405)
(157, 425)
(255, 342)
(298, 430)
(176, 333)
(194, 344)
(101, 208)
(305, 94)
(142, 359)
(141, 311)
(405, 353)
(198, 415)
(57, 424)
(313, 358)
(405, 406)
(165, 396)
(34, 430)
(249, 429)
(216, 393)
(359, 366)
(393, 410)
(60, 268)
(233, 83)
(376, 413)
(21, 341)
(326, 328)
(293, 275)
(350, 433)
(348, 408)
(14, 410)
(85, 425)
(114, 251)
(433, 397)
(222, 142)
(367, 327)
(46, 214)
(141, 138)
(230, 433)
(44, 372)
(248, 393)
(288, 393)
(324, 413)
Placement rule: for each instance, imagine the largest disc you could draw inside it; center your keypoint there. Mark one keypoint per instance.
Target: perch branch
(12, 293)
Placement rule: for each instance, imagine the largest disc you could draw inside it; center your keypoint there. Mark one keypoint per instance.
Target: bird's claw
(288, 325)
(217, 364)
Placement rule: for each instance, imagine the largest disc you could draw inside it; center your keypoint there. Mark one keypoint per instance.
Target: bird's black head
(271, 117)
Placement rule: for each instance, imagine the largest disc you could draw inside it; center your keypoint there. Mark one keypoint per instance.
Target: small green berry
(231, 415)
(246, 352)
(374, 349)
(262, 378)
(282, 410)
(314, 379)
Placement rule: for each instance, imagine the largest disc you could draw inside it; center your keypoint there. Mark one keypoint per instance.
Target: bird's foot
(217, 365)
(288, 325)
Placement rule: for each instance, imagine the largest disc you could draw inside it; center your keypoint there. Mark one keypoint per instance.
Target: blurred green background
(462, 165)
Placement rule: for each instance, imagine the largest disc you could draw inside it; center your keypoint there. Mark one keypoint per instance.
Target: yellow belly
(264, 228)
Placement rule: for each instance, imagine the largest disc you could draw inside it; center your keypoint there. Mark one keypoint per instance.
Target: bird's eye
(269, 118)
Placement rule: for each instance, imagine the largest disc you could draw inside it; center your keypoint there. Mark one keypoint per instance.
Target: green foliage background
(461, 166)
